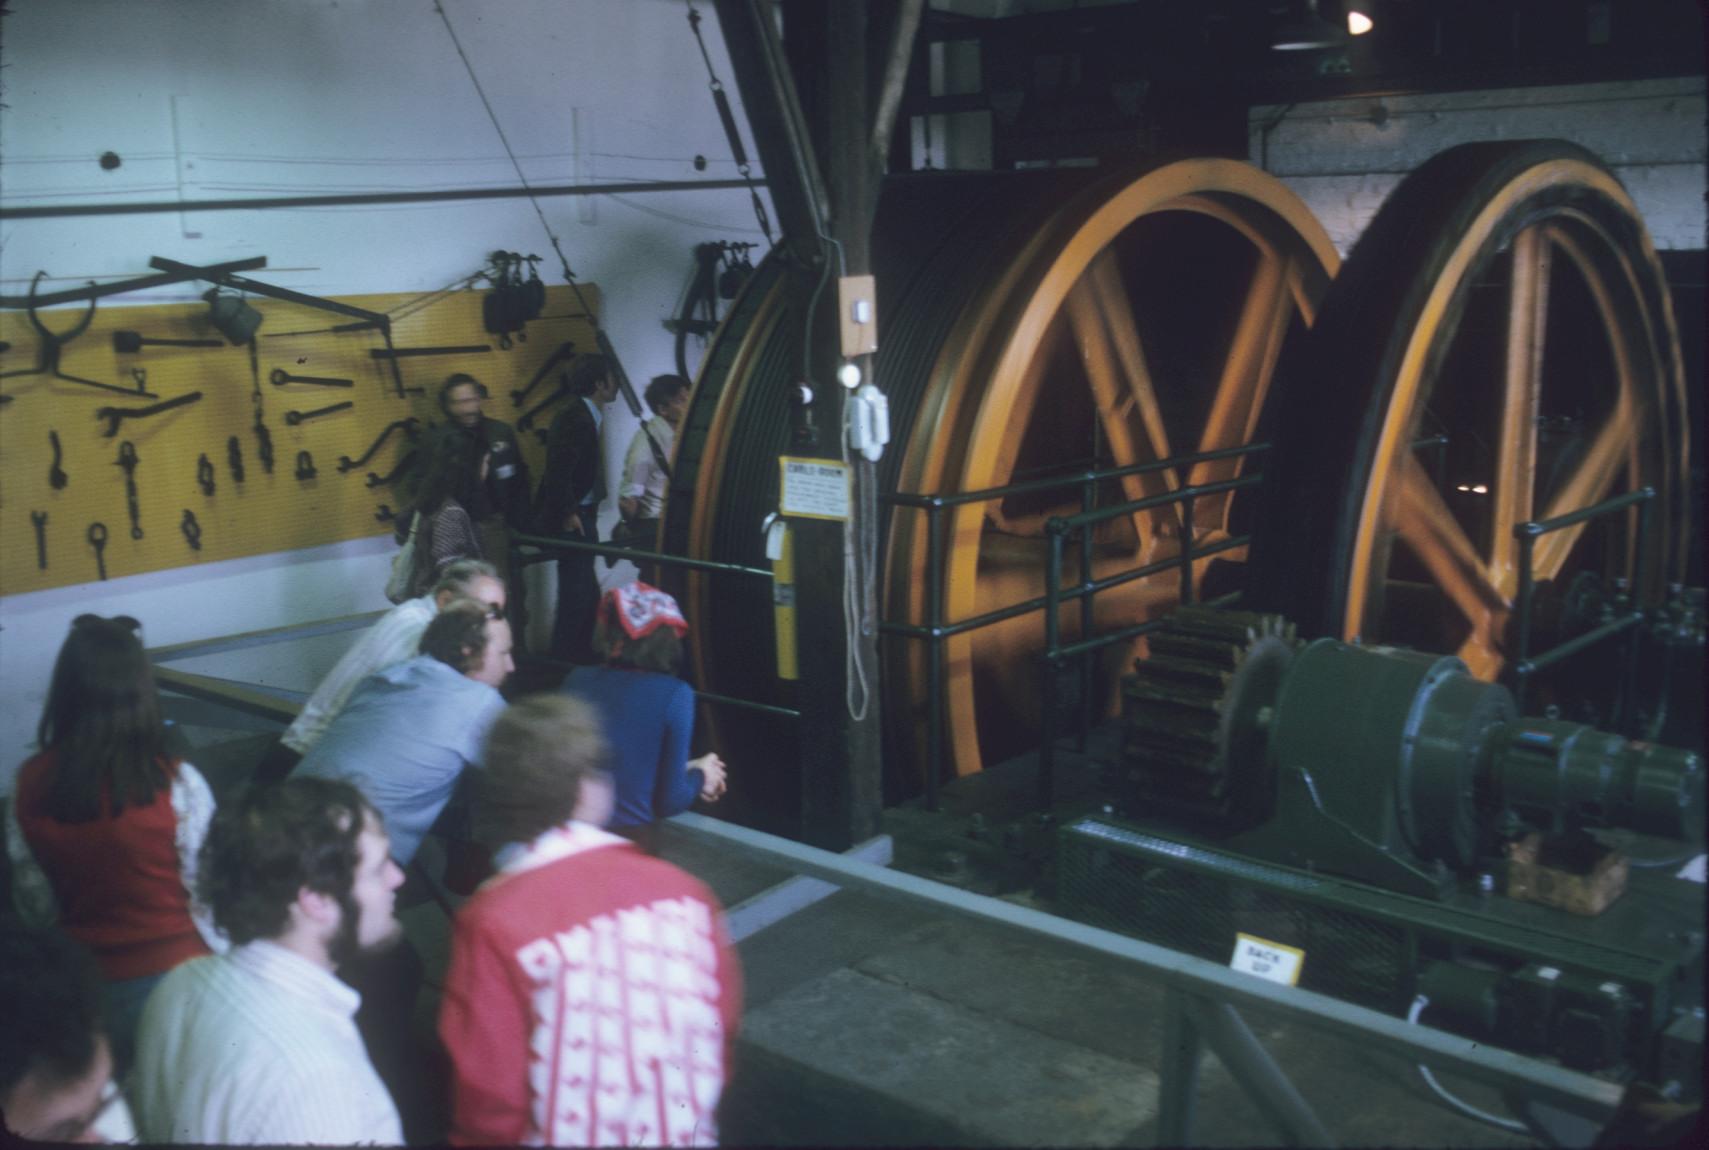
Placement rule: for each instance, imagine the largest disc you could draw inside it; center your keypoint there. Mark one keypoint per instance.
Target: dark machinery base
(1619, 994)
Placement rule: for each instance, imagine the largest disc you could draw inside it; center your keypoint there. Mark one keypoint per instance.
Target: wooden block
(1587, 889)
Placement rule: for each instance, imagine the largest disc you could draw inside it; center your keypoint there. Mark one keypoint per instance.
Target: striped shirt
(257, 1046)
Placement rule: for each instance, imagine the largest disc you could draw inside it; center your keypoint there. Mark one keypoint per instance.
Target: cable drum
(1032, 324)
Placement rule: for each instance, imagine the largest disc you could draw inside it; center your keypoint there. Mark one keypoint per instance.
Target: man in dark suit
(571, 491)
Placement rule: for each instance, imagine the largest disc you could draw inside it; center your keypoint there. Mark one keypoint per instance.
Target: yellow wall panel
(266, 512)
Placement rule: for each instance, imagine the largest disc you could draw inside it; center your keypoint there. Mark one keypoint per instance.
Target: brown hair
(274, 841)
(537, 755)
(658, 650)
(102, 721)
(457, 636)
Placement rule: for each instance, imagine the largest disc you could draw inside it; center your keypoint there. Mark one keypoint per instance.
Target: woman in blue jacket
(647, 712)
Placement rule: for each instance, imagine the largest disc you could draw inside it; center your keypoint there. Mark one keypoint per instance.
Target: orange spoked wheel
(1508, 298)
(1032, 325)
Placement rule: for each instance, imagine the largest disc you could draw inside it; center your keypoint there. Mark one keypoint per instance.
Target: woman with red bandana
(646, 710)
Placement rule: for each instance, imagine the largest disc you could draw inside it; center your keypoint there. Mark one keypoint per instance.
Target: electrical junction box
(857, 315)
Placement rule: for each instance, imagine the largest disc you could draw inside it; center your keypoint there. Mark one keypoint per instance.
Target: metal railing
(547, 547)
(935, 631)
(1203, 1004)
(1525, 664)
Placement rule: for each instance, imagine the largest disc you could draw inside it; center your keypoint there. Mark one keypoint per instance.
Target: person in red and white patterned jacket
(593, 996)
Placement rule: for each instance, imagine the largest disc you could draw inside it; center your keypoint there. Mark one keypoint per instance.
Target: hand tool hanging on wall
(263, 437)
(234, 458)
(305, 465)
(191, 529)
(98, 540)
(127, 459)
(281, 377)
(295, 417)
(38, 519)
(526, 420)
(129, 342)
(512, 302)
(116, 415)
(205, 474)
(404, 464)
(408, 352)
(566, 351)
(53, 343)
(55, 473)
(345, 463)
(385, 514)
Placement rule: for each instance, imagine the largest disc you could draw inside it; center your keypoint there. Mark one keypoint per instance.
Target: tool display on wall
(52, 343)
(191, 529)
(281, 377)
(296, 417)
(163, 350)
(55, 473)
(403, 465)
(97, 537)
(128, 460)
(117, 415)
(38, 520)
(408, 426)
(131, 342)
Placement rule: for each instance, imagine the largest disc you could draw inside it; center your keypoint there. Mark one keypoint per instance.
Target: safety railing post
(1178, 1072)
(1187, 548)
(1626, 704)
(1088, 499)
(1052, 640)
(934, 653)
(1527, 538)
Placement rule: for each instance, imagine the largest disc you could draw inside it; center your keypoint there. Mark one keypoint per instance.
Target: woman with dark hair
(104, 824)
(443, 528)
(647, 712)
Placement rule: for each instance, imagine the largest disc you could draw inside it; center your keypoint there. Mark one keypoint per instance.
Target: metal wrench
(97, 537)
(205, 474)
(345, 463)
(281, 377)
(128, 460)
(191, 529)
(55, 473)
(116, 415)
(39, 520)
(295, 417)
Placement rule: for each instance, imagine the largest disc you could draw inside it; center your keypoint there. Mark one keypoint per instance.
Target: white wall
(214, 99)
(1343, 157)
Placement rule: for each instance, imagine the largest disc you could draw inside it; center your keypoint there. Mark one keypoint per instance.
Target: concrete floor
(870, 1022)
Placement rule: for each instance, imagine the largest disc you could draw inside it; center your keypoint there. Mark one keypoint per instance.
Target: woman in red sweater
(104, 826)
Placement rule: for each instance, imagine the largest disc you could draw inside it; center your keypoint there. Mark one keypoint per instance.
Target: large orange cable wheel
(1031, 324)
(1508, 297)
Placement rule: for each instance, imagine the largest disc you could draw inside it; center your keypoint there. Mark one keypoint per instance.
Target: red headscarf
(636, 610)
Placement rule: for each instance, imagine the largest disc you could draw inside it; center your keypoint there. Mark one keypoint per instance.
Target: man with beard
(259, 1045)
(504, 495)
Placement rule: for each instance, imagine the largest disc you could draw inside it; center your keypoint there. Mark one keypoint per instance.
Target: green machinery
(1377, 809)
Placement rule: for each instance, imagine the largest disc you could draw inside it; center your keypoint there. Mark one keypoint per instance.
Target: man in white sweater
(394, 637)
(259, 1045)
